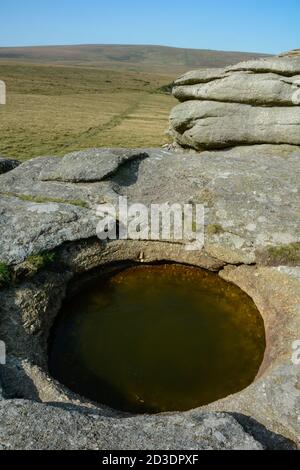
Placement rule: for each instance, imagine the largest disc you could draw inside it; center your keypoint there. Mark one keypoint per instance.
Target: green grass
(5, 275)
(31, 266)
(36, 263)
(285, 254)
(41, 199)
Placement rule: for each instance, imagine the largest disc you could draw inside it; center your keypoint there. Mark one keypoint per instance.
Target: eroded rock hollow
(245, 121)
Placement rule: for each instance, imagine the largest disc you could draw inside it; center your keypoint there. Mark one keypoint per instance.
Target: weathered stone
(210, 124)
(31, 227)
(24, 182)
(89, 166)
(287, 65)
(272, 402)
(251, 196)
(292, 53)
(244, 104)
(242, 87)
(7, 164)
(200, 76)
(274, 398)
(33, 426)
(238, 187)
(252, 199)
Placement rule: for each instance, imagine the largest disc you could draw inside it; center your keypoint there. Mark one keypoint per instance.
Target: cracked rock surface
(245, 122)
(251, 199)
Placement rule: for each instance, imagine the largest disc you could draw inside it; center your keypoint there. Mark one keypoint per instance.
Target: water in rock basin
(157, 338)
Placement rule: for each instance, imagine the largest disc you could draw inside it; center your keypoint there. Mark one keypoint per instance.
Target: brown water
(158, 338)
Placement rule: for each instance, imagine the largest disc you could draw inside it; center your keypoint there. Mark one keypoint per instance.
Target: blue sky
(245, 25)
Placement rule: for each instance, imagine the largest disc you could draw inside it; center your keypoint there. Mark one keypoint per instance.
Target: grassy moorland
(61, 99)
(57, 109)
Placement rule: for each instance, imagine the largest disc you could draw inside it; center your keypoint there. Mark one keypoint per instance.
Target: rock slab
(255, 102)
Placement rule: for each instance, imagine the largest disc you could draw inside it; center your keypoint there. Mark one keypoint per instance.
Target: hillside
(65, 98)
(56, 109)
(154, 59)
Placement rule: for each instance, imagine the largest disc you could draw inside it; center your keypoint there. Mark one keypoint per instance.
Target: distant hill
(157, 59)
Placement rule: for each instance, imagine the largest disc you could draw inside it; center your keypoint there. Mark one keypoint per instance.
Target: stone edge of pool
(29, 309)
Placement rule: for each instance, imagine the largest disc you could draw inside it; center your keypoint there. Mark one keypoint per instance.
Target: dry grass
(64, 98)
(57, 109)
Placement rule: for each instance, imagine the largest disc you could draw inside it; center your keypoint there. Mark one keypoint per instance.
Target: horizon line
(132, 45)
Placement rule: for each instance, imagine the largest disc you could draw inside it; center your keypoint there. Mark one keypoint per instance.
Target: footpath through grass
(52, 110)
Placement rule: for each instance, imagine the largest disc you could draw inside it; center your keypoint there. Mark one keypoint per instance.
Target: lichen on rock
(245, 123)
